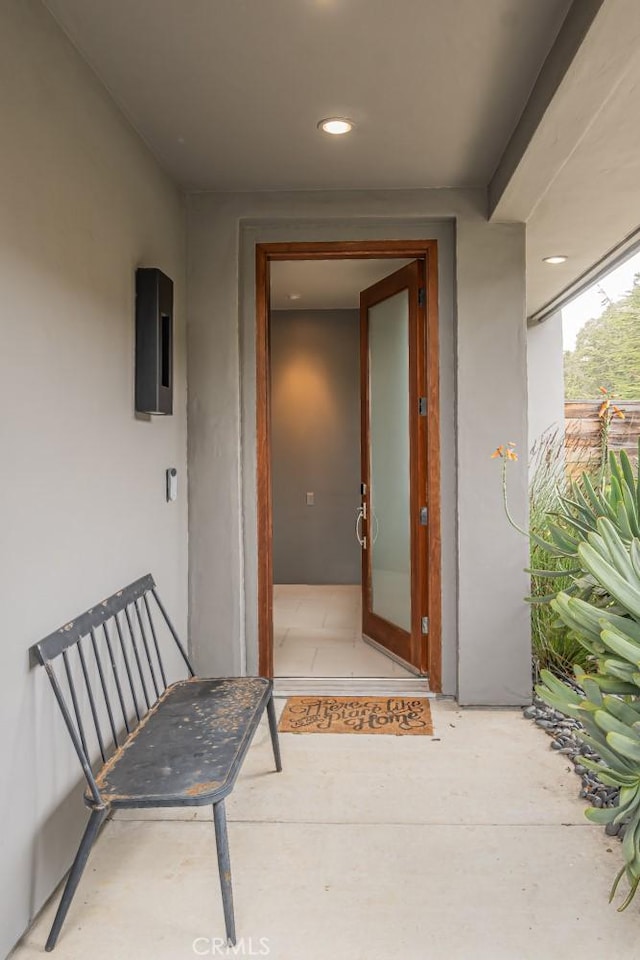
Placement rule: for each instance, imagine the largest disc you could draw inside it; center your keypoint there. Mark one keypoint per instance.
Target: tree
(607, 352)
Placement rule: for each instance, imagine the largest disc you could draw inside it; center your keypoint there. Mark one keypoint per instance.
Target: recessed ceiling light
(293, 296)
(336, 125)
(557, 258)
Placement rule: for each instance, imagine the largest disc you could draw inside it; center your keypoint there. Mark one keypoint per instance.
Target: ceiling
(534, 100)
(325, 284)
(594, 200)
(227, 93)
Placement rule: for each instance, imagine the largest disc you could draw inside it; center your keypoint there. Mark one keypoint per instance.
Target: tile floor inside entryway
(317, 633)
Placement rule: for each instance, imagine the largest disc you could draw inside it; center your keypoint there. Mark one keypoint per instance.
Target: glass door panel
(389, 440)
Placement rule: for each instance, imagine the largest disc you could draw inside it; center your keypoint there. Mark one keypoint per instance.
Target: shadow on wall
(60, 829)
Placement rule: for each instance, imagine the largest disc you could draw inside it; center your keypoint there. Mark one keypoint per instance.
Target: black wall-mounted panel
(154, 341)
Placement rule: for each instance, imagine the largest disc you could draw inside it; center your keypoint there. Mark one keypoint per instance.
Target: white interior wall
(83, 502)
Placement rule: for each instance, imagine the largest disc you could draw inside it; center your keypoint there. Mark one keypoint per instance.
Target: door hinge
(422, 296)
(424, 516)
(422, 406)
(425, 625)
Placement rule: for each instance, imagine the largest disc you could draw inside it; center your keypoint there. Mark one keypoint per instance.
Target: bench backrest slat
(127, 666)
(145, 644)
(136, 654)
(103, 684)
(71, 632)
(116, 676)
(112, 670)
(175, 636)
(92, 702)
(155, 640)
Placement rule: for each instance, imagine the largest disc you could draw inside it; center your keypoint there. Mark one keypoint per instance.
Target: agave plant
(609, 705)
(579, 513)
(595, 531)
(576, 518)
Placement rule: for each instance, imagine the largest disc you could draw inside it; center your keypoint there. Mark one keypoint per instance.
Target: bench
(157, 744)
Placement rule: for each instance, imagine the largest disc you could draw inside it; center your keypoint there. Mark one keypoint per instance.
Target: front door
(394, 508)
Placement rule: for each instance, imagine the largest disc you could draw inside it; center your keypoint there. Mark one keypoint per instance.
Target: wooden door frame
(427, 252)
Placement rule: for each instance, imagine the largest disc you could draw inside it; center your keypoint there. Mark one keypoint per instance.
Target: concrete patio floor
(472, 845)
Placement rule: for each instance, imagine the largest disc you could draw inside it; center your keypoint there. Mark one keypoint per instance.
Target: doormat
(399, 716)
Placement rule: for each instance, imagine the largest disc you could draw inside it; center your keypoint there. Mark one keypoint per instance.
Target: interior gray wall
(83, 500)
(545, 373)
(315, 445)
(483, 391)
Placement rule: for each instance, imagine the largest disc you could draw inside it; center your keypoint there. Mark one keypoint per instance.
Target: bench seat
(188, 749)
(191, 736)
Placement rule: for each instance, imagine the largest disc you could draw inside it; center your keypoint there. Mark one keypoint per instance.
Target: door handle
(361, 515)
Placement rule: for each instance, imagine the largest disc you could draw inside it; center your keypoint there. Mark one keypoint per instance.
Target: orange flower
(617, 412)
(603, 390)
(505, 453)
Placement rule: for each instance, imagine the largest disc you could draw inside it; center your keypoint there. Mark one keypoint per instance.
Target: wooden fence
(583, 432)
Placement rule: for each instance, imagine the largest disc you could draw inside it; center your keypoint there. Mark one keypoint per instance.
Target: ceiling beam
(581, 73)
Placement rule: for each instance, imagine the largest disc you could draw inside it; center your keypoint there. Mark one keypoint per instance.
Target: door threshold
(351, 687)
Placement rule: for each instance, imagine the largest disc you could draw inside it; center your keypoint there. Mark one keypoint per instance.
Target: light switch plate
(311, 498)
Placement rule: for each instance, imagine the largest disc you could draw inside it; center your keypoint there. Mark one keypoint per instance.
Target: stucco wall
(483, 400)
(83, 501)
(545, 373)
(315, 444)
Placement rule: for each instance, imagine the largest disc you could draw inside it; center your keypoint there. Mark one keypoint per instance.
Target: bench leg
(224, 866)
(95, 822)
(273, 729)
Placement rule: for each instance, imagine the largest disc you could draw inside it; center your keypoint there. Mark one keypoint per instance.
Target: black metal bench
(159, 744)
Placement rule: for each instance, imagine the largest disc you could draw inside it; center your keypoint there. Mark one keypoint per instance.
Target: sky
(590, 304)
